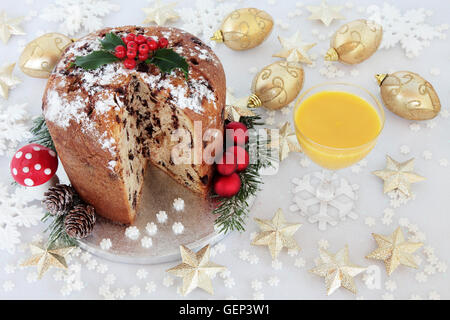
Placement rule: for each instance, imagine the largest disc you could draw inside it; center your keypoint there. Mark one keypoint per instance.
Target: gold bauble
(355, 42)
(244, 29)
(408, 95)
(42, 54)
(276, 85)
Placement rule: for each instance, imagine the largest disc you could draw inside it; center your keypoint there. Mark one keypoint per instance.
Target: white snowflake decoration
(13, 127)
(78, 15)
(324, 212)
(409, 29)
(206, 18)
(15, 212)
(132, 232)
(178, 204)
(177, 228)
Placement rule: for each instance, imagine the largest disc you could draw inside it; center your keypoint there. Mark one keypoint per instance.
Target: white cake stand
(158, 194)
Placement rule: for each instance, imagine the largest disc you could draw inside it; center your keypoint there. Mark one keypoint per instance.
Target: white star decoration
(9, 27)
(196, 270)
(7, 80)
(276, 234)
(236, 108)
(398, 175)
(337, 270)
(294, 49)
(325, 13)
(160, 13)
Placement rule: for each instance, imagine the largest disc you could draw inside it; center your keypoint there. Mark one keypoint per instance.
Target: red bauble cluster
(138, 48)
(235, 159)
(236, 132)
(33, 165)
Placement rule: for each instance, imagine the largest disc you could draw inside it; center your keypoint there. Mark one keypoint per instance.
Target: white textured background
(430, 211)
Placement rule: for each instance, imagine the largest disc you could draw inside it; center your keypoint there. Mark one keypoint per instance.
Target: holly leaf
(95, 59)
(111, 41)
(167, 60)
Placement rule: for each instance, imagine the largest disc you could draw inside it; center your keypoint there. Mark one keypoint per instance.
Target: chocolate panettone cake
(108, 123)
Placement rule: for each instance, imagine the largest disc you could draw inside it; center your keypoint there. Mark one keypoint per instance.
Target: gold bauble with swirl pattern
(277, 85)
(355, 42)
(408, 95)
(41, 55)
(244, 29)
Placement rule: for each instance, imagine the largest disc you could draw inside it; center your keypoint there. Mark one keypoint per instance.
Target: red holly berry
(227, 164)
(143, 48)
(152, 44)
(237, 132)
(131, 53)
(132, 45)
(129, 63)
(227, 186)
(143, 56)
(140, 39)
(120, 52)
(163, 42)
(33, 165)
(241, 156)
(130, 37)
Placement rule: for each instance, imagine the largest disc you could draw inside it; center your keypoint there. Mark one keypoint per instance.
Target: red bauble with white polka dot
(33, 165)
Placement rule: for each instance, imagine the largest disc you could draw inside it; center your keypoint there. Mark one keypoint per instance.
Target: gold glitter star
(325, 13)
(237, 108)
(7, 80)
(276, 234)
(287, 141)
(196, 270)
(294, 49)
(9, 27)
(44, 259)
(398, 176)
(337, 270)
(394, 250)
(160, 13)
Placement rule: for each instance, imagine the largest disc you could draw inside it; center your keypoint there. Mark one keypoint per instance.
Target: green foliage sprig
(40, 133)
(165, 59)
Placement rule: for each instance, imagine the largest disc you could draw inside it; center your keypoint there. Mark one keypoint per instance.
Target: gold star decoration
(44, 259)
(7, 80)
(160, 13)
(325, 13)
(394, 250)
(9, 27)
(294, 49)
(337, 270)
(196, 270)
(276, 234)
(287, 141)
(237, 108)
(398, 176)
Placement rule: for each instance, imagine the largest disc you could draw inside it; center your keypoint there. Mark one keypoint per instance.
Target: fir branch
(232, 212)
(57, 233)
(40, 133)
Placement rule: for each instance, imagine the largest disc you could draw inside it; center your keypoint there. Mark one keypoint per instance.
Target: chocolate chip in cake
(204, 179)
(197, 41)
(135, 200)
(143, 67)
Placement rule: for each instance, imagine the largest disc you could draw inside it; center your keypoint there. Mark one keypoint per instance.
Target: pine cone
(59, 199)
(80, 221)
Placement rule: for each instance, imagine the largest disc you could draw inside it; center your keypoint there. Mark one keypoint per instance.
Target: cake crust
(88, 115)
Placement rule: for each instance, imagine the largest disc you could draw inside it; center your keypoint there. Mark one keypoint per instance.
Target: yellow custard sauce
(336, 128)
